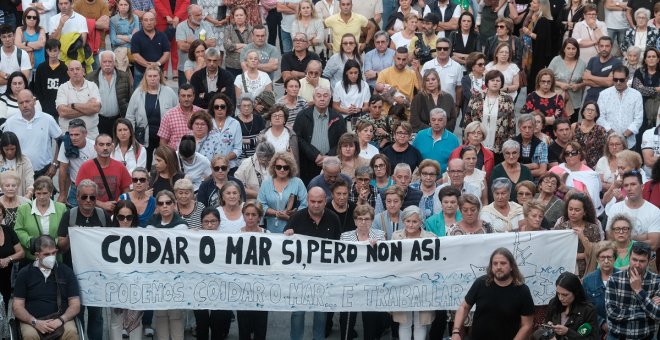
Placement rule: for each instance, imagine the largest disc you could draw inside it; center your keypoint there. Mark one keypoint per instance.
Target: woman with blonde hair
(626, 160)
(430, 97)
(606, 167)
(308, 22)
(402, 38)
(10, 200)
(348, 152)
(533, 216)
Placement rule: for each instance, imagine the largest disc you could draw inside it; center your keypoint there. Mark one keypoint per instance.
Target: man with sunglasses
(632, 312)
(621, 107)
(645, 216)
(71, 157)
(449, 70)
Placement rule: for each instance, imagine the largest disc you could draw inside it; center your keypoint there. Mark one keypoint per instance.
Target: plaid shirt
(371, 199)
(631, 315)
(540, 155)
(174, 125)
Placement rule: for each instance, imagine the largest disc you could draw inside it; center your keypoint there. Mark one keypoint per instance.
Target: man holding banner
(505, 308)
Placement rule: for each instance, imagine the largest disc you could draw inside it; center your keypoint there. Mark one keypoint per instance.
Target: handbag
(59, 331)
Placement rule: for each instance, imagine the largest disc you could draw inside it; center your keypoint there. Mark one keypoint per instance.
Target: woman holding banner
(125, 215)
(470, 207)
(390, 220)
(412, 218)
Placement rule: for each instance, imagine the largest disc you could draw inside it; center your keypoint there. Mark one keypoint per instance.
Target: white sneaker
(148, 331)
(124, 334)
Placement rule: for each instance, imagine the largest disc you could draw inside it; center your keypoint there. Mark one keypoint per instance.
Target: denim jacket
(594, 289)
(121, 26)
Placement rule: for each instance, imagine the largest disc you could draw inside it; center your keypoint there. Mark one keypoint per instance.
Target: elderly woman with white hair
(641, 35)
(413, 322)
(188, 208)
(402, 176)
(511, 168)
(474, 135)
(251, 125)
(254, 170)
(502, 214)
(633, 61)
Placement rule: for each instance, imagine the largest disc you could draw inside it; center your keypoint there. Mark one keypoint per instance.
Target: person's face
(9, 151)
(64, 6)
(125, 217)
(183, 196)
(103, 146)
(538, 124)
(300, 43)
(501, 197)
(527, 129)
(259, 37)
(246, 108)
(470, 212)
(352, 74)
(107, 63)
(231, 196)
(305, 9)
(220, 169)
(511, 156)
(393, 204)
(122, 132)
(161, 166)
(10, 187)
(239, 17)
(546, 83)
(411, 24)
(606, 260)
(346, 6)
(348, 44)
(376, 109)
(456, 173)
(186, 98)
(466, 23)
(534, 5)
(428, 176)
(53, 53)
(651, 59)
(292, 88)
(165, 206)
(570, 51)
(366, 134)
(620, 80)
(590, 16)
(42, 196)
(413, 224)
(196, 15)
(212, 63)
(363, 222)
(45, 252)
(140, 181)
(315, 203)
(549, 185)
(623, 166)
(321, 99)
(572, 156)
(251, 217)
(575, 211)
(220, 108)
(122, 6)
(501, 267)
(604, 47)
(495, 84)
(641, 20)
(438, 123)
(405, 4)
(475, 137)
(75, 72)
(501, 30)
(589, 112)
(442, 50)
(524, 195)
(200, 128)
(31, 18)
(632, 187)
(565, 296)
(313, 73)
(401, 136)
(470, 160)
(400, 61)
(86, 198)
(431, 83)
(621, 231)
(17, 84)
(479, 66)
(78, 136)
(210, 222)
(331, 174)
(503, 55)
(380, 168)
(282, 169)
(362, 182)
(402, 179)
(252, 60)
(148, 22)
(428, 27)
(153, 78)
(639, 262)
(347, 150)
(381, 44)
(449, 204)
(535, 218)
(277, 119)
(615, 145)
(340, 196)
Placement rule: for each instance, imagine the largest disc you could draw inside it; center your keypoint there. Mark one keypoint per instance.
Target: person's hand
(605, 328)
(290, 212)
(656, 300)
(525, 30)
(415, 64)
(4, 263)
(52, 170)
(288, 232)
(370, 74)
(63, 19)
(103, 20)
(54, 323)
(380, 132)
(149, 192)
(43, 327)
(364, 194)
(363, 46)
(107, 206)
(635, 280)
(560, 329)
(579, 232)
(319, 160)
(455, 337)
(169, 20)
(61, 198)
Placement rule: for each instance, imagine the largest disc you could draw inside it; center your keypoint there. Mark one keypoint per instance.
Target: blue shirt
(121, 26)
(270, 198)
(149, 49)
(438, 150)
(319, 181)
(374, 61)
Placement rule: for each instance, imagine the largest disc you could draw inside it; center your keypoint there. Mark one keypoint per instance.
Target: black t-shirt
(554, 153)
(41, 296)
(328, 226)
(498, 309)
(410, 156)
(11, 239)
(346, 221)
(161, 183)
(81, 221)
(290, 61)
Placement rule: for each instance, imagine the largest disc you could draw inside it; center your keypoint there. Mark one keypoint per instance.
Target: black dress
(6, 250)
(541, 49)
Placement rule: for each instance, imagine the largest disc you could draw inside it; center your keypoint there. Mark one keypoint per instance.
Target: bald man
(148, 46)
(195, 27)
(79, 98)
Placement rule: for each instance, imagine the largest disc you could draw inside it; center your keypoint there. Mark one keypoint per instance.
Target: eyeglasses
(402, 133)
(139, 179)
(364, 219)
(163, 203)
(442, 48)
(379, 166)
(88, 198)
(619, 80)
(123, 218)
(550, 181)
(277, 116)
(606, 258)
(348, 43)
(281, 167)
(221, 167)
(31, 17)
(210, 222)
(220, 107)
(511, 154)
(571, 153)
(524, 193)
(621, 230)
(429, 174)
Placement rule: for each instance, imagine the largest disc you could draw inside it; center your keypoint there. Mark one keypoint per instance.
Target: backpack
(19, 56)
(73, 213)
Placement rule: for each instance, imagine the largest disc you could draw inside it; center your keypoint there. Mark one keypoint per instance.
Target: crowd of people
(398, 120)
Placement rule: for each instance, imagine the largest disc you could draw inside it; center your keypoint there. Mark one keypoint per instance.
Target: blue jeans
(94, 327)
(287, 43)
(298, 326)
(71, 197)
(389, 8)
(617, 35)
(137, 77)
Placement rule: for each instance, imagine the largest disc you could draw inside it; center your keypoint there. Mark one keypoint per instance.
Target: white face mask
(49, 261)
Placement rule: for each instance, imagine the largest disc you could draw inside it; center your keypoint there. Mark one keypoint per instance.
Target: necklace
(489, 113)
(245, 126)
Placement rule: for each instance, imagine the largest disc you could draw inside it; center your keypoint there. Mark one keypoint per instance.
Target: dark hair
(228, 102)
(193, 47)
(25, 14)
(382, 157)
(340, 182)
(448, 191)
(11, 78)
(5, 29)
(634, 173)
(621, 68)
(126, 204)
(375, 98)
(210, 211)
(258, 27)
(603, 38)
(584, 106)
(492, 74)
(571, 283)
(474, 23)
(646, 52)
(402, 49)
(589, 7)
(277, 108)
(290, 79)
(472, 59)
(518, 278)
(398, 111)
(587, 205)
(9, 138)
(53, 43)
(41, 242)
(560, 121)
(133, 142)
(466, 148)
(641, 248)
(350, 63)
(575, 44)
(187, 146)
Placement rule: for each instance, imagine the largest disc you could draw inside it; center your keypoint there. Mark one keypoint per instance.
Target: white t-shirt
(287, 19)
(86, 153)
(353, 96)
(281, 143)
(254, 86)
(399, 40)
(509, 73)
(9, 63)
(369, 152)
(616, 19)
(76, 24)
(198, 170)
(229, 226)
(646, 219)
(651, 141)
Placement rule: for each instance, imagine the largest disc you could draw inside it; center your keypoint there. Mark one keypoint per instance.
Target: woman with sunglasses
(229, 144)
(580, 216)
(166, 169)
(579, 176)
(473, 83)
(127, 148)
(125, 215)
(209, 190)
(283, 193)
(31, 37)
(140, 196)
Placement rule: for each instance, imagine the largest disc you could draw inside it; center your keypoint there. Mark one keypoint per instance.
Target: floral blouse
(551, 107)
(456, 230)
(506, 126)
(229, 139)
(593, 143)
(384, 122)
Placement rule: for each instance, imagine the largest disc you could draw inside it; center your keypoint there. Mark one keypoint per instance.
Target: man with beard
(505, 309)
(597, 75)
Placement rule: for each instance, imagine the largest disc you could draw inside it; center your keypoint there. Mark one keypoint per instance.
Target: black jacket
(122, 86)
(224, 83)
(304, 128)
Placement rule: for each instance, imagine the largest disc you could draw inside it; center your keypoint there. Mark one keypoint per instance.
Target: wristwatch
(33, 322)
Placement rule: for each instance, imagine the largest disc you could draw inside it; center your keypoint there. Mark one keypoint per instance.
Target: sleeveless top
(39, 55)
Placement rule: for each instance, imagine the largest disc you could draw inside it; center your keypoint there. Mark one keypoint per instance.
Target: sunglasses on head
(139, 179)
(162, 203)
(123, 218)
(221, 167)
(88, 198)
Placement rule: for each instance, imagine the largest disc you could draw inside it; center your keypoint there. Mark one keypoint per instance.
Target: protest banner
(187, 269)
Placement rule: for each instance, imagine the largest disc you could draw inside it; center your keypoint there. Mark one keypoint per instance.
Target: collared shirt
(320, 132)
(229, 139)
(269, 197)
(450, 74)
(109, 104)
(340, 27)
(185, 31)
(44, 219)
(375, 61)
(632, 315)
(175, 125)
(149, 49)
(212, 81)
(621, 112)
(540, 154)
(328, 227)
(438, 150)
(76, 23)
(35, 137)
(67, 94)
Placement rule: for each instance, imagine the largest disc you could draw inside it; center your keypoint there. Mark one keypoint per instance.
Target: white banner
(186, 269)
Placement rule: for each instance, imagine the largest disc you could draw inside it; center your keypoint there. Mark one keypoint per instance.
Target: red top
(489, 158)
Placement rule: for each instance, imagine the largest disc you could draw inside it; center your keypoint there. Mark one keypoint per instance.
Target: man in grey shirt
(269, 56)
(190, 30)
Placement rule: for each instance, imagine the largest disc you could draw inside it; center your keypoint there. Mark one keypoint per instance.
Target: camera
(425, 53)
